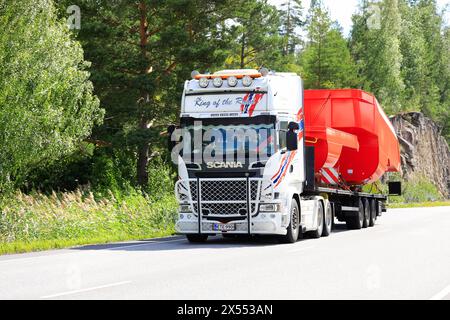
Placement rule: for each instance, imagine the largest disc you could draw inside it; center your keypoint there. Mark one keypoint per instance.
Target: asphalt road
(405, 256)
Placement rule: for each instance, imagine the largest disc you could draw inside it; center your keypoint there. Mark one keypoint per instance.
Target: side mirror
(170, 144)
(395, 188)
(292, 136)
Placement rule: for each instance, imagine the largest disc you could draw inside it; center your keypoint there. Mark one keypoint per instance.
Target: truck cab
(240, 155)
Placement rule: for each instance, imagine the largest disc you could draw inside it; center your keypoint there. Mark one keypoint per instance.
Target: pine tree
(256, 36)
(141, 53)
(291, 14)
(326, 60)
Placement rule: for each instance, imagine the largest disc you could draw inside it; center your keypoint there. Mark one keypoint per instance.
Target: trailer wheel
(356, 222)
(327, 220)
(320, 222)
(197, 238)
(373, 212)
(366, 220)
(293, 230)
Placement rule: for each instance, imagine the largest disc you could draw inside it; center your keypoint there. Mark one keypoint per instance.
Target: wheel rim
(320, 220)
(294, 222)
(361, 214)
(328, 217)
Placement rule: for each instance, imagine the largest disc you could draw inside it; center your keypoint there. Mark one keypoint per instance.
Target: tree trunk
(143, 148)
(243, 51)
(142, 161)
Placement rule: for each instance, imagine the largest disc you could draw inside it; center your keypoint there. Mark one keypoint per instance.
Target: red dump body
(352, 136)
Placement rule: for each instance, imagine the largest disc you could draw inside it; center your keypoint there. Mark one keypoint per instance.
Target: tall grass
(38, 221)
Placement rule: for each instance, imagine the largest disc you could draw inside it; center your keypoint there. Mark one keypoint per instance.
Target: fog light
(185, 208)
(273, 207)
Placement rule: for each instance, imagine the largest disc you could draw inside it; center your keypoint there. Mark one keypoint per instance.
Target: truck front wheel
(293, 230)
(197, 238)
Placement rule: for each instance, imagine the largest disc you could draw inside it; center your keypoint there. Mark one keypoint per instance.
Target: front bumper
(264, 224)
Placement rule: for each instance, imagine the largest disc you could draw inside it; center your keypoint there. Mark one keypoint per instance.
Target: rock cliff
(424, 151)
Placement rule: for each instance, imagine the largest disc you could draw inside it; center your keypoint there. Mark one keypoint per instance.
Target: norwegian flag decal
(250, 102)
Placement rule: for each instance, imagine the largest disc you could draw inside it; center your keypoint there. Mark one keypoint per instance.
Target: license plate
(224, 227)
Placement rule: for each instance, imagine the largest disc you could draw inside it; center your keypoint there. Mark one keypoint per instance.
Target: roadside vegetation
(417, 192)
(37, 221)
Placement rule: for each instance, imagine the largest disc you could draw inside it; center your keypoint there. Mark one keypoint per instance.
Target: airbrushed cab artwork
(257, 154)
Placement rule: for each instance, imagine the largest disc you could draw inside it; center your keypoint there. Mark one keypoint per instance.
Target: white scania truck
(264, 184)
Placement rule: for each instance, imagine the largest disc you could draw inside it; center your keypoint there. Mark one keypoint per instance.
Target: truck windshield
(251, 138)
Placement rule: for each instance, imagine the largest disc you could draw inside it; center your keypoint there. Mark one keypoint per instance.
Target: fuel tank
(355, 143)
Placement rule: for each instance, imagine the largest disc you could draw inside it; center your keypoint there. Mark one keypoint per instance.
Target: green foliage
(141, 54)
(375, 44)
(326, 60)
(255, 33)
(291, 15)
(418, 189)
(46, 100)
(405, 62)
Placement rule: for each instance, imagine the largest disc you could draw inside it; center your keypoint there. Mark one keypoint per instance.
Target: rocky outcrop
(424, 151)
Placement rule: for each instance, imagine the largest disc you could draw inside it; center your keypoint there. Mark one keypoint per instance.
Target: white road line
(85, 290)
(113, 248)
(144, 244)
(300, 249)
(442, 294)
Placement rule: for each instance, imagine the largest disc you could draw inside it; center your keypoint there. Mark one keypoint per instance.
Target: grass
(60, 220)
(419, 204)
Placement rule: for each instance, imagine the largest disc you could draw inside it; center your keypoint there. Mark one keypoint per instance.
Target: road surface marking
(85, 290)
(144, 244)
(300, 249)
(442, 294)
(74, 252)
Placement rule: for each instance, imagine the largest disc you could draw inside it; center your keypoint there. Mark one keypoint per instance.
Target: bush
(417, 189)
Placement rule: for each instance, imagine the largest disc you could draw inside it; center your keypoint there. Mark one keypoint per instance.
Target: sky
(342, 10)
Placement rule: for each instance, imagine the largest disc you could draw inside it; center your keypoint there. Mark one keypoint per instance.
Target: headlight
(217, 82)
(247, 81)
(185, 208)
(273, 207)
(232, 81)
(203, 82)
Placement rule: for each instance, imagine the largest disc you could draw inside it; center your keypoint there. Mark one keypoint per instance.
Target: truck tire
(327, 220)
(373, 212)
(356, 222)
(366, 220)
(197, 238)
(320, 222)
(293, 230)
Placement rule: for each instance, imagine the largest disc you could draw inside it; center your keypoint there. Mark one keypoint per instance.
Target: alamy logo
(374, 19)
(74, 20)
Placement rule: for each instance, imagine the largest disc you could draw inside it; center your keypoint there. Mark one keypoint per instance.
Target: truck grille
(225, 209)
(225, 197)
(224, 190)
